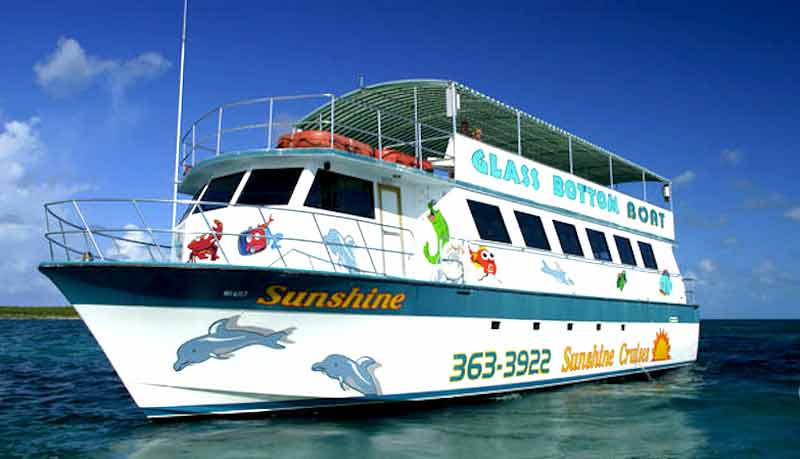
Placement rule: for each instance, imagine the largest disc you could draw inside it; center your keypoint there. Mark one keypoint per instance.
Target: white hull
(416, 357)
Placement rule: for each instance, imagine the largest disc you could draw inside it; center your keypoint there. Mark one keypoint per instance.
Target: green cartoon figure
(442, 235)
(622, 279)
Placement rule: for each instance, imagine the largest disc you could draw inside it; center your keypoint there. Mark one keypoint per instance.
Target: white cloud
(132, 246)
(21, 216)
(708, 265)
(684, 178)
(793, 214)
(70, 69)
(765, 267)
(731, 156)
(764, 201)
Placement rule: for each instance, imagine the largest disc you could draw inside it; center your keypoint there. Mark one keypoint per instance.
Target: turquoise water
(59, 397)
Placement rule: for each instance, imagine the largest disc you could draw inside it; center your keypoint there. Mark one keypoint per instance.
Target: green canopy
(399, 102)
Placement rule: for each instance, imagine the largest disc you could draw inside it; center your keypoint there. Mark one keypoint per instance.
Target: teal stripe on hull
(229, 287)
(196, 410)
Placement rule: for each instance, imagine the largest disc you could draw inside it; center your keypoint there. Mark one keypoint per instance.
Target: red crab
(205, 245)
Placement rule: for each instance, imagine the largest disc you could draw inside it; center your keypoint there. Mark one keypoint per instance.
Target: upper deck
(432, 122)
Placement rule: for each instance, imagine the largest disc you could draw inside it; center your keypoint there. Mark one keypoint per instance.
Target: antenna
(180, 114)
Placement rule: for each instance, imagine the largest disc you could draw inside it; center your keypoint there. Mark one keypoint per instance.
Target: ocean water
(59, 397)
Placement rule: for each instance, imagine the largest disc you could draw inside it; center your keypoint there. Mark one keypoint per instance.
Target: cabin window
(532, 230)
(568, 237)
(625, 250)
(648, 256)
(489, 222)
(342, 193)
(220, 190)
(267, 187)
(599, 245)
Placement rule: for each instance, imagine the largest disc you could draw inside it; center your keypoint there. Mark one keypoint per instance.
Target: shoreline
(38, 313)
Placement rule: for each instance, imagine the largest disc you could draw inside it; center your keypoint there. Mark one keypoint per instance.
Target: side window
(342, 193)
(269, 186)
(489, 222)
(599, 245)
(625, 250)
(532, 230)
(220, 190)
(648, 256)
(568, 237)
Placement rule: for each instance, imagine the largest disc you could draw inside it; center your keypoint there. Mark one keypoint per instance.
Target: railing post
(366, 246)
(417, 150)
(64, 239)
(324, 242)
(610, 172)
(269, 126)
(219, 129)
(644, 187)
(147, 227)
(88, 231)
(380, 139)
(519, 134)
(194, 143)
(333, 111)
(49, 242)
(571, 168)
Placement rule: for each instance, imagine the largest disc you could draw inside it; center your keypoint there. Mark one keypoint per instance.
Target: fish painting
(342, 248)
(483, 259)
(254, 240)
(622, 279)
(225, 337)
(557, 273)
(351, 374)
(665, 284)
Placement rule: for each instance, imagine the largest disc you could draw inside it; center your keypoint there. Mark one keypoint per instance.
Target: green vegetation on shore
(36, 312)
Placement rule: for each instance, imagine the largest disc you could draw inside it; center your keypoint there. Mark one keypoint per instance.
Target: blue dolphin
(356, 375)
(224, 337)
(557, 273)
(342, 247)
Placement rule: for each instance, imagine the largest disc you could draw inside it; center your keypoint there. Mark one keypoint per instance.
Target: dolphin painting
(356, 375)
(224, 337)
(342, 247)
(557, 273)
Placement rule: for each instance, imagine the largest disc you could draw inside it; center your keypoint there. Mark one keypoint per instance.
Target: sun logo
(661, 346)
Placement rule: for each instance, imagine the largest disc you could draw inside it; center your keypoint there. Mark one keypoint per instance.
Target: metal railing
(71, 236)
(258, 123)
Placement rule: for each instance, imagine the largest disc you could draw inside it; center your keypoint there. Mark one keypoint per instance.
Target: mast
(180, 114)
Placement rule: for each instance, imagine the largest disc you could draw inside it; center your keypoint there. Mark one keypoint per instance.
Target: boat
(408, 241)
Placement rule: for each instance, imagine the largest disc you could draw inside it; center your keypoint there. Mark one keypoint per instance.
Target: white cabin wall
(518, 267)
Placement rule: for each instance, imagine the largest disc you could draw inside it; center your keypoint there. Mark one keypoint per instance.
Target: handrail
(214, 139)
(119, 237)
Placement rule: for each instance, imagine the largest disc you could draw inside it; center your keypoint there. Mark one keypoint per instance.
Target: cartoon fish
(665, 283)
(224, 337)
(622, 279)
(357, 375)
(442, 235)
(557, 273)
(342, 248)
(484, 259)
(254, 240)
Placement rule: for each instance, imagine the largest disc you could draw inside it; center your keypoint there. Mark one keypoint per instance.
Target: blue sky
(704, 94)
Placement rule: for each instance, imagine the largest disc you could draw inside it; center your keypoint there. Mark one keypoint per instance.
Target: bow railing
(119, 230)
